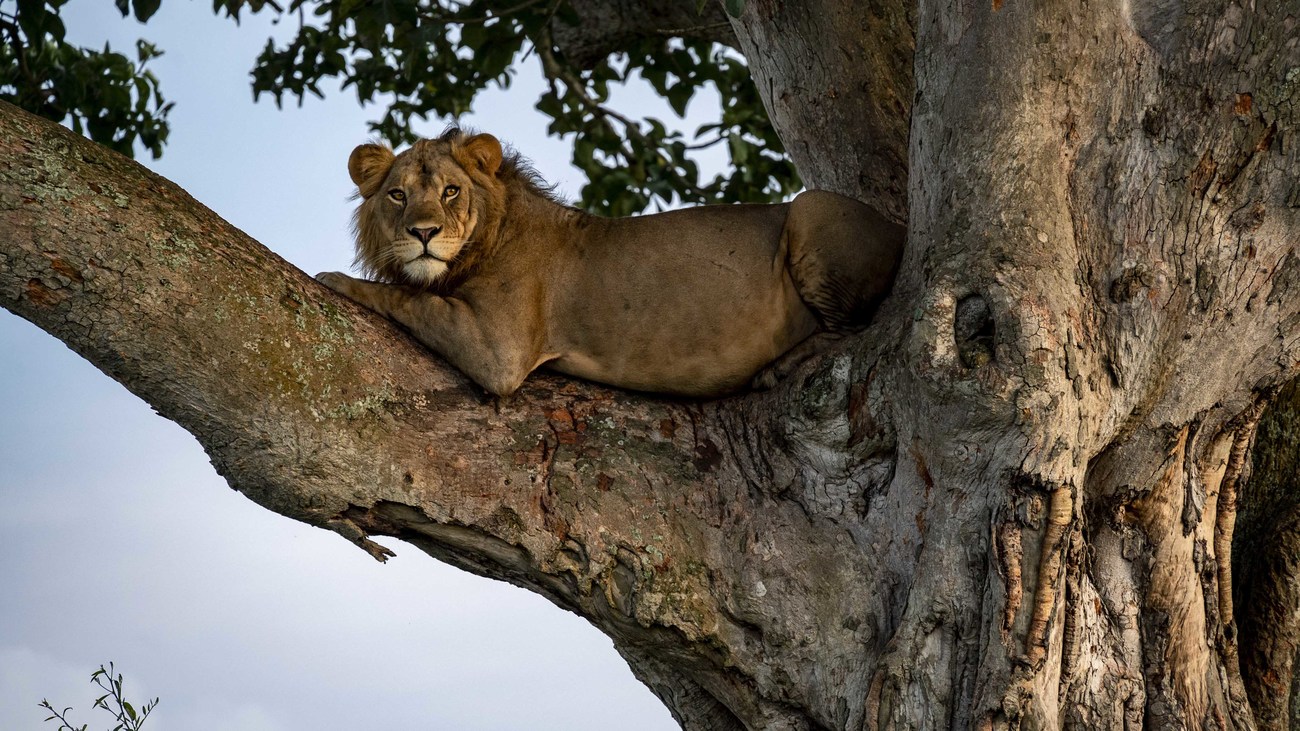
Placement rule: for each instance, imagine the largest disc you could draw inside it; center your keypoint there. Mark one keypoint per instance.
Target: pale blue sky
(119, 542)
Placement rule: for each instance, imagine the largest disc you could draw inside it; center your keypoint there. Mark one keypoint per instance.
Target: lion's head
(426, 214)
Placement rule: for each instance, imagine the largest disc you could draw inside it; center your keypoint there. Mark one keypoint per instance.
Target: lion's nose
(424, 234)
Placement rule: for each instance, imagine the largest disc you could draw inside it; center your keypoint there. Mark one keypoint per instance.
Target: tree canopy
(421, 60)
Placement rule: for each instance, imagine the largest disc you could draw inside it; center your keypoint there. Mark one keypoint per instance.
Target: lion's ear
(482, 151)
(368, 165)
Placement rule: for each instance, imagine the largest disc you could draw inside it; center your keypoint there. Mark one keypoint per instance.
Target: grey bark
(836, 78)
(609, 26)
(1007, 504)
(1116, 187)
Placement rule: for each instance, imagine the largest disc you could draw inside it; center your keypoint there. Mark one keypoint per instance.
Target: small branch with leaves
(113, 700)
(632, 132)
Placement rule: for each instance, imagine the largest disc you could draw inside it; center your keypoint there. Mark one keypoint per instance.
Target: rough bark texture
(836, 78)
(1009, 503)
(1266, 562)
(608, 26)
(1110, 180)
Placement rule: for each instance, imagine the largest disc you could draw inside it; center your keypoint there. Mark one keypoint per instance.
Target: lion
(475, 256)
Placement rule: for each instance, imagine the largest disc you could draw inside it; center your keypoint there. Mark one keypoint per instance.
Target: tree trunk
(1009, 503)
(836, 78)
(1103, 213)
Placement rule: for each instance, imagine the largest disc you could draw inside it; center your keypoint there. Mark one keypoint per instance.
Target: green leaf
(734, 7)
(584, 154)
(33, 18)
(144, 9)
(146, 51)
(678, 96)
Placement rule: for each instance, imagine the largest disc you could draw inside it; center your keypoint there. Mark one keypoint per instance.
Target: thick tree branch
(609, 26)
(635, 512)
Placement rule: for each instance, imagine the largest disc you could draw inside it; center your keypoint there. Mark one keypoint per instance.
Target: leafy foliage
(431, 58)
(434, 58)
(103, 94)
(113, 700)
(631, 164)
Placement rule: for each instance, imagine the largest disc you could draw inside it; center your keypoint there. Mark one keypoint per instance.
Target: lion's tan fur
(691, 302)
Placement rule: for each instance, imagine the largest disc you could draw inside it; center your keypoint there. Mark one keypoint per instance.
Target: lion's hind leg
(842, 255)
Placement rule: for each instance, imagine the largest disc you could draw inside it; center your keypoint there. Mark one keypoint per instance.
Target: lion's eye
(451, 191)
(397, 195)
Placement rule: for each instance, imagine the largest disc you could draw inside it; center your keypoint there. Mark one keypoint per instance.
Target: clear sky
(119, 542)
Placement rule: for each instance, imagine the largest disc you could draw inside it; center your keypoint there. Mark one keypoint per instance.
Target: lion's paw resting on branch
(483, 265)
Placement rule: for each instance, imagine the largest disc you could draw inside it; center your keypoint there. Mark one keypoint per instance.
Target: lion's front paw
(337, 281)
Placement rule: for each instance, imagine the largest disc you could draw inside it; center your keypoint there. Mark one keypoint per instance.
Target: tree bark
(1103, 221)
(610, 26)
(1009, 503)
(1266, 562)
(836, 76)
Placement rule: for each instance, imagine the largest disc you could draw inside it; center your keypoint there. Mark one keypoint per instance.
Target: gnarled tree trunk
(1009, 503)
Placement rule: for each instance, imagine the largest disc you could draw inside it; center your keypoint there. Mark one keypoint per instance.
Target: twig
(706, 145)
(490, 15)
(555, 71)
(694, 29)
